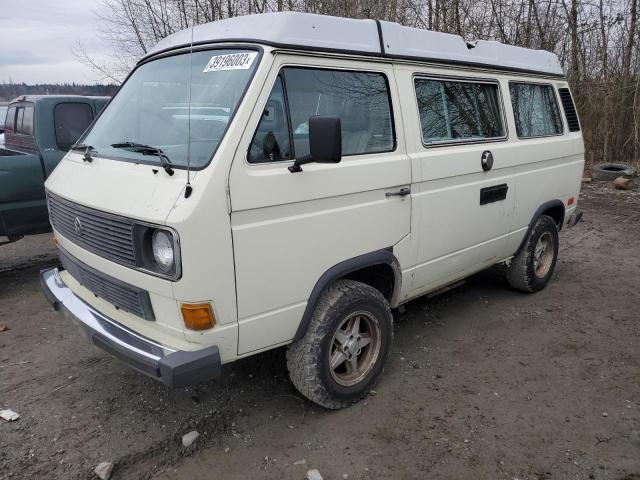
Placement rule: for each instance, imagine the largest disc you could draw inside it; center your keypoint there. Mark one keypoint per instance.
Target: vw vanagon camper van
(289, 179)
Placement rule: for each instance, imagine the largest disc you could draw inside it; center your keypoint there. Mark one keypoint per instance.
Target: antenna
(189, 189)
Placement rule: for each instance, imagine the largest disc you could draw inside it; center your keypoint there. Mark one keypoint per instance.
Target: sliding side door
(463, 198)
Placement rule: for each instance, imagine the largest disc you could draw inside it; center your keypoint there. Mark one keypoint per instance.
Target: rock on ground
(622, 183)
(103, 470)
(313, 475)
(189, 438)
(9, 415)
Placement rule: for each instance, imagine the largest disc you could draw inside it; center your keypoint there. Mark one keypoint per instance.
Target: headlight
(162, 247)
(157, 250)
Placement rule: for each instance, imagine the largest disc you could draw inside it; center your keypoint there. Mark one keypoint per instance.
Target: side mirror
(325, 142)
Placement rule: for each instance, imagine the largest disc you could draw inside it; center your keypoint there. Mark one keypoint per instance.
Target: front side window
(181, 110)
(452, 111)
(271, 142)
(360, 99)
(535, 109)
(70, 121)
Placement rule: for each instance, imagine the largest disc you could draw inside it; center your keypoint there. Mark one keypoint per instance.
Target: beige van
(289, 179)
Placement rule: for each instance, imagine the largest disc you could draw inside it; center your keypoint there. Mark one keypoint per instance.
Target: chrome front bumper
(172, 367)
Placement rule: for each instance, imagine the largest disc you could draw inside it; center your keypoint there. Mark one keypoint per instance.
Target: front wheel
(346, 345)
(531, 269)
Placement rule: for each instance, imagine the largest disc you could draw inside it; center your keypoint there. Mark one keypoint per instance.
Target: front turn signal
(198, 316)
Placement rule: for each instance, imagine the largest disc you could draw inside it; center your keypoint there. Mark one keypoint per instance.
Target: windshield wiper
(147, 150)
(87, 151)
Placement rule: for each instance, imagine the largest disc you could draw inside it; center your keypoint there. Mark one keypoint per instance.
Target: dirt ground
(483, 382)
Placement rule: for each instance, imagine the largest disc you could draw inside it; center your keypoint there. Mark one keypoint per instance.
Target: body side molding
(379, 257)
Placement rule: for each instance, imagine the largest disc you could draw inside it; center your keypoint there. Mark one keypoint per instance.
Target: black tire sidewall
(599, 171)
(345, 306)
(544, 225)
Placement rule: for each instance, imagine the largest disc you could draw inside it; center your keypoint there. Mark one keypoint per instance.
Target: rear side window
(3, 115)
(19, 118)
(70, 121)
(360, 99)
(10, 119)
(27, 121)
(535, 109)
(454, 111)
(23, 120)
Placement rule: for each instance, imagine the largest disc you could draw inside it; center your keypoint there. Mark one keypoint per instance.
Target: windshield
(152, 108)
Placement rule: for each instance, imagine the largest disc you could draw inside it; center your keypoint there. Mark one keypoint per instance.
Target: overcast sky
(37, 38)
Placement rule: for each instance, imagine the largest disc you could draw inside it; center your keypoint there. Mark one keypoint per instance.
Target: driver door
(290, 228)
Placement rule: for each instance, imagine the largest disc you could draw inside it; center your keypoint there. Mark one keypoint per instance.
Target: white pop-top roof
(369, 37)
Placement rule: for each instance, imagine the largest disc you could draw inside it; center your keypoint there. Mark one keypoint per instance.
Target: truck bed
(4, 152)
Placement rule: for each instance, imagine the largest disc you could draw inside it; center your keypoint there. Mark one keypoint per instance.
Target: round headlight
(162, 246)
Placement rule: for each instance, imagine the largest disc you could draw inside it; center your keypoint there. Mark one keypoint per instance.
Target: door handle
(492, 194)
(403, 192)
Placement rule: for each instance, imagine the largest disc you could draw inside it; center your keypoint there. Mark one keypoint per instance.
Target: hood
(138, 191)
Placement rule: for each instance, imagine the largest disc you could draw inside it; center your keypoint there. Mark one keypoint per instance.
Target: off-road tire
(307, 359)
(521, 273)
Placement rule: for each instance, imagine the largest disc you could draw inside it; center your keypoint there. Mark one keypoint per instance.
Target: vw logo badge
(77, 225)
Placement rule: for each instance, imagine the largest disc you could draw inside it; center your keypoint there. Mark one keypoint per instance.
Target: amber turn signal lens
(198, 316)
(54, 240)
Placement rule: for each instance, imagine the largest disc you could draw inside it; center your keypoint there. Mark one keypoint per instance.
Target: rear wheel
(345, 347)
(531, 269)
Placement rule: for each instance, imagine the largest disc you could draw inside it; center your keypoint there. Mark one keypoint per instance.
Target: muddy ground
(483, 382)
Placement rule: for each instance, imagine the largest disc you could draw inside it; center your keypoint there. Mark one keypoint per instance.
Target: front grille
(107, 235)
(123, 296)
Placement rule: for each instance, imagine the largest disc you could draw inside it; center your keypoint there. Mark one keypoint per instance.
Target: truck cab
(39, 131)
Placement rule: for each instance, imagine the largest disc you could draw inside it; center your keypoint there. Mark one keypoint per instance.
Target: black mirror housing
(325, 139)
(325, 142)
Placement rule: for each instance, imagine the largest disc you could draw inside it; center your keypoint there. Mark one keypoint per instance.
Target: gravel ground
(483, 382)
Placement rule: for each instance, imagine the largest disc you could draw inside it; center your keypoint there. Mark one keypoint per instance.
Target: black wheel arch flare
(342, 269)
(555, 206)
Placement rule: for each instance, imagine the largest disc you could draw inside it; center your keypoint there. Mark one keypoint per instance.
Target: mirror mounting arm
(296, 168)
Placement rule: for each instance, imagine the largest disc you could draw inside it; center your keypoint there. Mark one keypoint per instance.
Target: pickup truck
(39, 130)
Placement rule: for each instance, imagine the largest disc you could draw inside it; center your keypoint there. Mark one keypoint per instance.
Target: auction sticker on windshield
(231, 61)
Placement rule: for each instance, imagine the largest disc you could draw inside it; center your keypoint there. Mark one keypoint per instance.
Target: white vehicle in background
(323, 172)
(3, 114)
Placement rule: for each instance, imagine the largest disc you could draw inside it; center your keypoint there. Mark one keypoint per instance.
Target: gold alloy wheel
(355, 348)
(543, 255)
